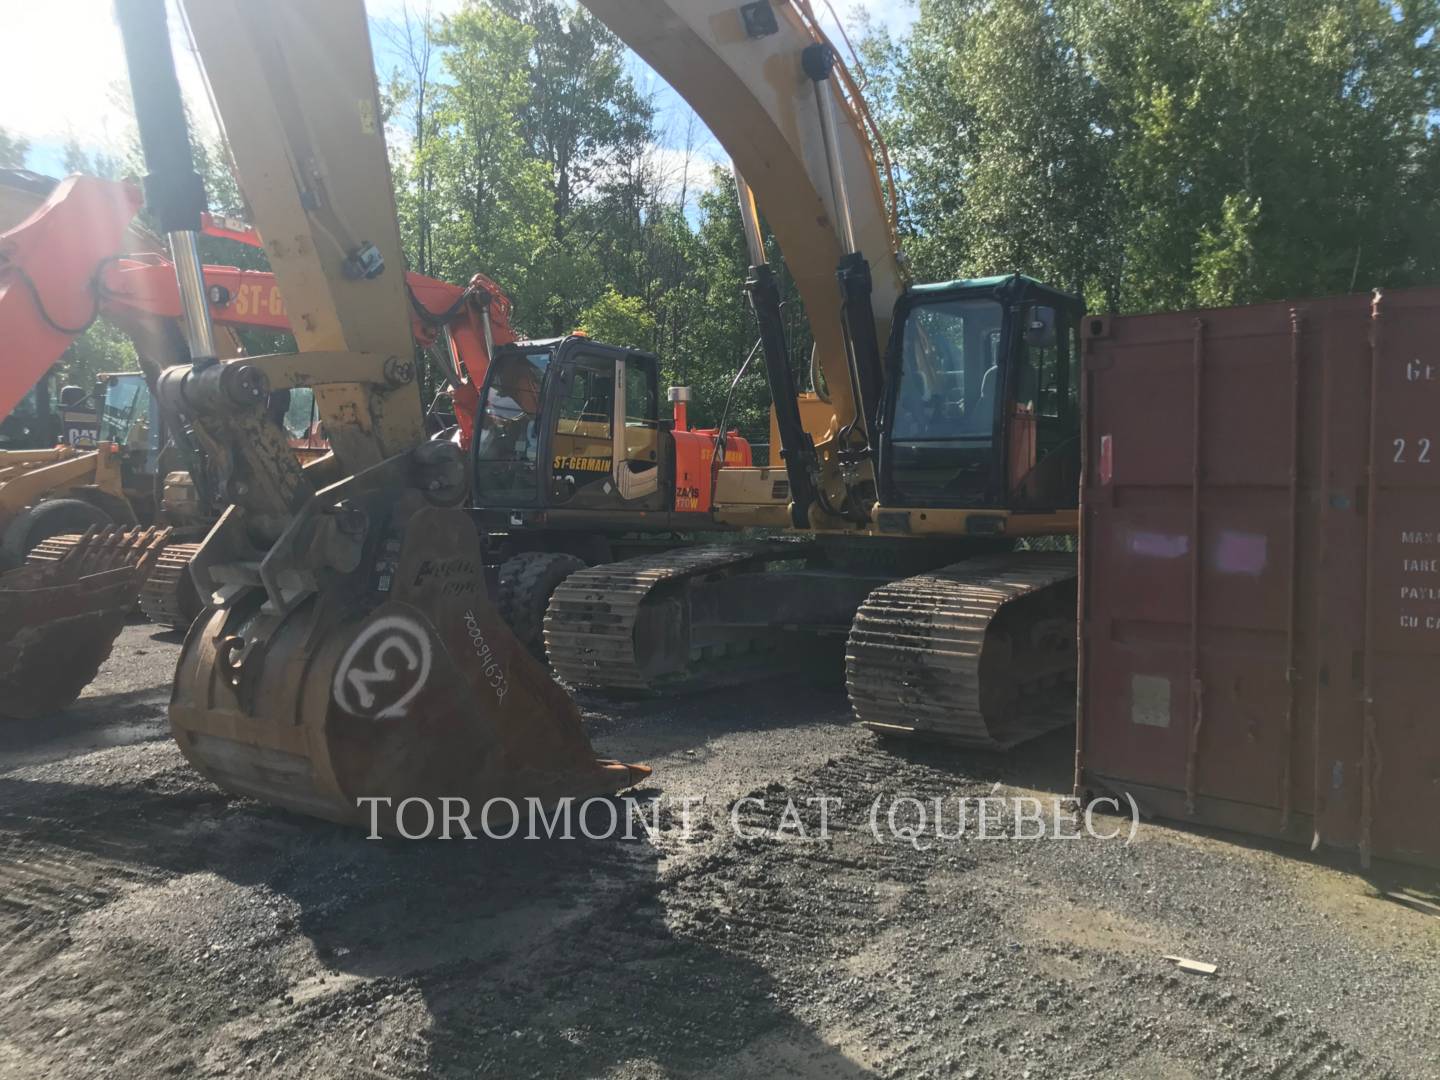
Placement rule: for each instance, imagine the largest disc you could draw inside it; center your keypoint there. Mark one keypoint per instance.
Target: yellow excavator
(350, 650)
(934, 460)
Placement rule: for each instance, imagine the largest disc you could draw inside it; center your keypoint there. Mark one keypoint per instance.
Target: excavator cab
(569, 424)
(982, 407)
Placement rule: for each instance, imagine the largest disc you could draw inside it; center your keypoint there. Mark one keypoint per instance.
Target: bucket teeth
(168, 596)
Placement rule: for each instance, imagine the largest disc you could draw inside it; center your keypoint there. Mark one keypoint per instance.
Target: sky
(63, 75)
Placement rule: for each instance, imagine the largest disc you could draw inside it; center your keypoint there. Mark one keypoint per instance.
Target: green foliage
(101, 348)
(76, 159)
(529, 155)
(617, 319)
(14, 150)
(1166, 153)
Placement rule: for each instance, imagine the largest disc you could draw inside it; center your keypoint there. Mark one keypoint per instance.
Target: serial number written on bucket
(492, 669)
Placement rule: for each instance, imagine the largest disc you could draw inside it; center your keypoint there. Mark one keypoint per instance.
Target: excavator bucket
(58, 620)
(400, 682)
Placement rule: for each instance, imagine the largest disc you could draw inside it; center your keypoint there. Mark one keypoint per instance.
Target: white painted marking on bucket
(389, 660)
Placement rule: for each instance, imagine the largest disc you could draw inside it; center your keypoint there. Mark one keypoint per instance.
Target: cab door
(1044, 430)
(637, 420)
(582, 445)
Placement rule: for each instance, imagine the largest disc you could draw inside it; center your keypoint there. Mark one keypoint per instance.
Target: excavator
(350, 650)
(72, 253)
(935, 460)
(574, 467)
(662, 468)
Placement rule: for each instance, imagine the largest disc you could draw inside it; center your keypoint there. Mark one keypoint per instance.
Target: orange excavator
(350, 650)
(79, 255)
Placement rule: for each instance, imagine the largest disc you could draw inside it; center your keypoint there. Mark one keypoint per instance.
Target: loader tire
(53, 517)
(527, 581)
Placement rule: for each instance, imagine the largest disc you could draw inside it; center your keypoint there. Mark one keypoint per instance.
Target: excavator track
(623, 625)
(980, 653)
(167, 597)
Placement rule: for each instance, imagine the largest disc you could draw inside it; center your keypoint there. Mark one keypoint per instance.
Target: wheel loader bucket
(167, 596)
(59, 620)
(402, 682)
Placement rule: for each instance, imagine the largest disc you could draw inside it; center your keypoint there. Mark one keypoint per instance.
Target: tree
(488, 207)
(76, 159)
(583, 116)
(533, 158)
(621, 320)
(14, 150)
(102, 347)
(410, 93)
(1166, 153)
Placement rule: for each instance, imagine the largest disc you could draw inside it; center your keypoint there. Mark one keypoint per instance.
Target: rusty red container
(1260, 593)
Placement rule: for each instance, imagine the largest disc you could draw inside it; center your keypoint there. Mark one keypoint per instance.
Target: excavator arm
(350, 652)
(766, 81)
(48, 273)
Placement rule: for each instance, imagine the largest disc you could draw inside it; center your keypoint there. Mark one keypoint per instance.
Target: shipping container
(1260, 551)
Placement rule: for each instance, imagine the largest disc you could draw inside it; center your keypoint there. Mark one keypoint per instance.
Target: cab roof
(1018, 282)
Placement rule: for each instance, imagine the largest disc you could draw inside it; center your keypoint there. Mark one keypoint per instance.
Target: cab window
(946, 401)
(507, 442)
(640, 404)
(1040, 375)
(588, 407)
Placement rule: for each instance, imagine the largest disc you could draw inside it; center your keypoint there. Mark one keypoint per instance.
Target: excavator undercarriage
(979, 653)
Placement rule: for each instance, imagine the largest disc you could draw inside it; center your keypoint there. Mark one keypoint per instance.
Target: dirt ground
(152, 926)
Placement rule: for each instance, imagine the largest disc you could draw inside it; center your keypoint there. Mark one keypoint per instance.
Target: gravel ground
(151, 926)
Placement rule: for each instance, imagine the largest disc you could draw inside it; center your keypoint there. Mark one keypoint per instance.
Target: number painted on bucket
(383, 669)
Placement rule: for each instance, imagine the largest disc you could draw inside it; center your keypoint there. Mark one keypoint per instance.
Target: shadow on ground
(243, 934)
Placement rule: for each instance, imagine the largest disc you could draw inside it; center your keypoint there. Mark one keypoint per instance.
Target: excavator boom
(350, 651)
(48, 273)
(739, 67)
